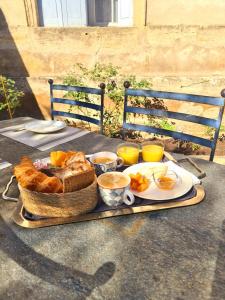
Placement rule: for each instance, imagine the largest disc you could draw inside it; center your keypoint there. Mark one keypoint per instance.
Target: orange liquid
(102, 160)
(129, 154)
(165, 183)
(152, 153)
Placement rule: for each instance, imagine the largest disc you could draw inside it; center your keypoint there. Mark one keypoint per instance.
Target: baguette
(76, 176)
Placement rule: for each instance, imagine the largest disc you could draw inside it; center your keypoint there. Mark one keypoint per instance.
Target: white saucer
(44, 126)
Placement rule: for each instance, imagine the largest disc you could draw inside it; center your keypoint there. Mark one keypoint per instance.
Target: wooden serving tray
(21, 217)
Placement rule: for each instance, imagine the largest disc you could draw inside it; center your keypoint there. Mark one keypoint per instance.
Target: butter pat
(159, 171)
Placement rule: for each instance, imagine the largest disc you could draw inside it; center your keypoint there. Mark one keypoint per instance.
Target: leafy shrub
(210, 131)
(10, 96)
(114, 96)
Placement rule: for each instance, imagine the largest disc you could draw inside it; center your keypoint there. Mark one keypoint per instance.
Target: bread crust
(77, 174)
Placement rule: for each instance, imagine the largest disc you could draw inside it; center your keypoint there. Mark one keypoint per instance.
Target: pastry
(32, 179)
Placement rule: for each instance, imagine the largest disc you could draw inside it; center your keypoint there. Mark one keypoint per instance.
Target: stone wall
(188, 59)
(14, 12)
(186, 12)
(146, 51)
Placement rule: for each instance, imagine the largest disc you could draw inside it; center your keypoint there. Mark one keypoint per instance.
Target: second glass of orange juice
(152, 151)
(129, 152)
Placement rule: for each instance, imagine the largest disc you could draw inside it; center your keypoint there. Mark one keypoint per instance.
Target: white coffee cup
(114, 189)
(106, 161)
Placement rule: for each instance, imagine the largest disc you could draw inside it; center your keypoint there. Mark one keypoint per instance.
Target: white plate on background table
(44, 126)
(153, 192)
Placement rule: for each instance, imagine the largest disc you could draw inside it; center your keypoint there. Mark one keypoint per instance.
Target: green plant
(222, 133)
(81, 76)
(186, 146)
(165, 124)
(210, 131)
(195, 146)
(10, 96)
(113, 109)
(222, 128)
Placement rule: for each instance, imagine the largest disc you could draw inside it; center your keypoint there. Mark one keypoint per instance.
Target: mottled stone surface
(174, 254)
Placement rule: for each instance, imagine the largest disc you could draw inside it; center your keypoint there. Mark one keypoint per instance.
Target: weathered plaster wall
(14, 12)
(187, 12)
(175, 58)
(145, 51)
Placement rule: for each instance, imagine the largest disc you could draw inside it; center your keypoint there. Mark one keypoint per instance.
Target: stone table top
(172, 254)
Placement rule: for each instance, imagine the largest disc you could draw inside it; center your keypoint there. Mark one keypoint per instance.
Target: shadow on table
(218, 286)
(72, 280)
(12, 66)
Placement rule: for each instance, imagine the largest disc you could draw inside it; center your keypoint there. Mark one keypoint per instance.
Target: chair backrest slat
(76, 116)
(174, 134)
(78, 103)
(214, 123)
(73, 102)
(176, 96)
(81, 89)
(173, 115)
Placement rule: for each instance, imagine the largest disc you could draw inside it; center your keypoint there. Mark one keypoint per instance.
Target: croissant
(32, 179)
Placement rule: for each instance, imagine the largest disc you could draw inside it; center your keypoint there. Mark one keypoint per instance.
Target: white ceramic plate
(153, 192)
(44, 126)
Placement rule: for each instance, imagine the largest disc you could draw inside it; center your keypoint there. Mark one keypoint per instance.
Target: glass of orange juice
(129, 152)
(152, 151)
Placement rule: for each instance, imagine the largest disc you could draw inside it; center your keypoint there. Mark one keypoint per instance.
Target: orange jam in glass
(165, 183)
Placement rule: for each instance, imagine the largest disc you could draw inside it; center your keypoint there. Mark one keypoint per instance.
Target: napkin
(4, 164)
(171, 165)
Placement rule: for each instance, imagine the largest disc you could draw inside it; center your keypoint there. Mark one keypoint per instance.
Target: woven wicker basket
(60, 205)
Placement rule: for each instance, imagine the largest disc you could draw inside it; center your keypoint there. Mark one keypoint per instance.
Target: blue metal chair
(71, 102)
(214, 123)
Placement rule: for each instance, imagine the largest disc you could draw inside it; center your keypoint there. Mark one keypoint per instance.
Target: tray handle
(191, 162)
(4, 194)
